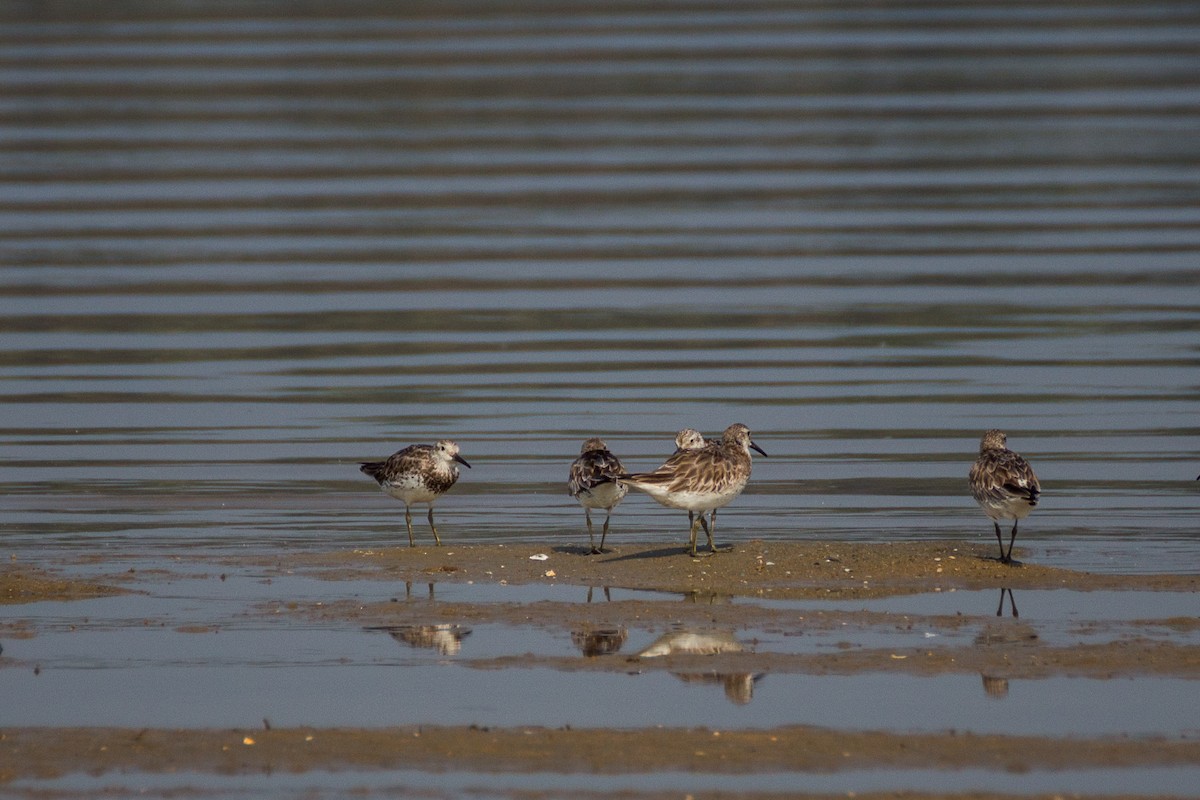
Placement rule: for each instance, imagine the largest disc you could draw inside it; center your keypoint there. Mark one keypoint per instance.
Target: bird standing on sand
(1004, 486)
(701, 480)
(692, 439)
(420, 473)
(593, 482)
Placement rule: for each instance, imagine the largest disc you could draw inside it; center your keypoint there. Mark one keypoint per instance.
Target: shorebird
(689, 439)
(1004, 486)
(692, 439)
(700, 480)
(593, 482)
(420, 473)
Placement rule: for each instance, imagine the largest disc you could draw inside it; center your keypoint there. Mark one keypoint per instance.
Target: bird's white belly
(696, 501)
(410, 490)
(1015, 508)
(606, 495)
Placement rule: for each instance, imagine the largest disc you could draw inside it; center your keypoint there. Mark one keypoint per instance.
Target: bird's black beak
(461, 460)
(759, 449)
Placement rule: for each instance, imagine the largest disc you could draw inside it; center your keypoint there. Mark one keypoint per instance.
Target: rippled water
(245, 248)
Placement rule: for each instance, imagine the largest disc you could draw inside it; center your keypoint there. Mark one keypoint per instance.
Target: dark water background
(244, 246)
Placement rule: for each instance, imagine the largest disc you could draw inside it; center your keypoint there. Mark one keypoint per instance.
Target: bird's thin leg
(587, 514)
(433, 527)
(1013, 538)
(712, 530)
(999, 540)
(692, 538)
(604, 530)
(408, 522)
(707, 532)
(703, 523)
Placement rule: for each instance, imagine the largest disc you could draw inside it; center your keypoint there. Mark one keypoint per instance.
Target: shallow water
(243, 249)
(1101, 782)
(217, 652)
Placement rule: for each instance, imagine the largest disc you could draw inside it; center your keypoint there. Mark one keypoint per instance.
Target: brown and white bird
(593, 482)
(702, 479)
(689, 439)
(1004, 486)
(420, 473)
(692, 439)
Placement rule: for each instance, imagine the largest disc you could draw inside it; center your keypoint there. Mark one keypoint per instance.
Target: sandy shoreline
(821, 570)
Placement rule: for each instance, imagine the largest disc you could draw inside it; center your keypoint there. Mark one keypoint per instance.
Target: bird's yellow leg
(436, 538)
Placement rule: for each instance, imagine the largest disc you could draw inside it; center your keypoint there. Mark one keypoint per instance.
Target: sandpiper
(420, 473)
(692, 439)
(1004, 485)
(689, 439)
(593, 482)
(701, 480)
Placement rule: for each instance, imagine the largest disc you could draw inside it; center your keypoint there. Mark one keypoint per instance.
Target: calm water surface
(244, 247)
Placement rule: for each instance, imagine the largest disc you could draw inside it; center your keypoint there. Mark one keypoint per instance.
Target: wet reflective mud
(310, 645)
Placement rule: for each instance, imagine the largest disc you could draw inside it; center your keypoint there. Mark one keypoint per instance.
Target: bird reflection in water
(995, 687)
(692, 642)
(408, 591)
(707, 598)
(598, 641)
(445, 638)
(605, 589)
(1011, 602)
(739, 686)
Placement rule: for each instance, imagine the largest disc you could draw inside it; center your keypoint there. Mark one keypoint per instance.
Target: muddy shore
(702, 594)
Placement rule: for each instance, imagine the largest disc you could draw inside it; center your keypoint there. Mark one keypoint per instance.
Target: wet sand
(808, 570)
(782, 571)
(48, 752)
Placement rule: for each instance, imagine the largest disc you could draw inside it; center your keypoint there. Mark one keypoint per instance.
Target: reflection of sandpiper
(418, 474)
(604, 589)
(702, 598)
(738, 686)
(445, 638)
(995, 687)
(593, 482)
(1011, 602)
(701, 480)
(408, 591)
(593, 642)
(1004, 486)
(703, 643)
